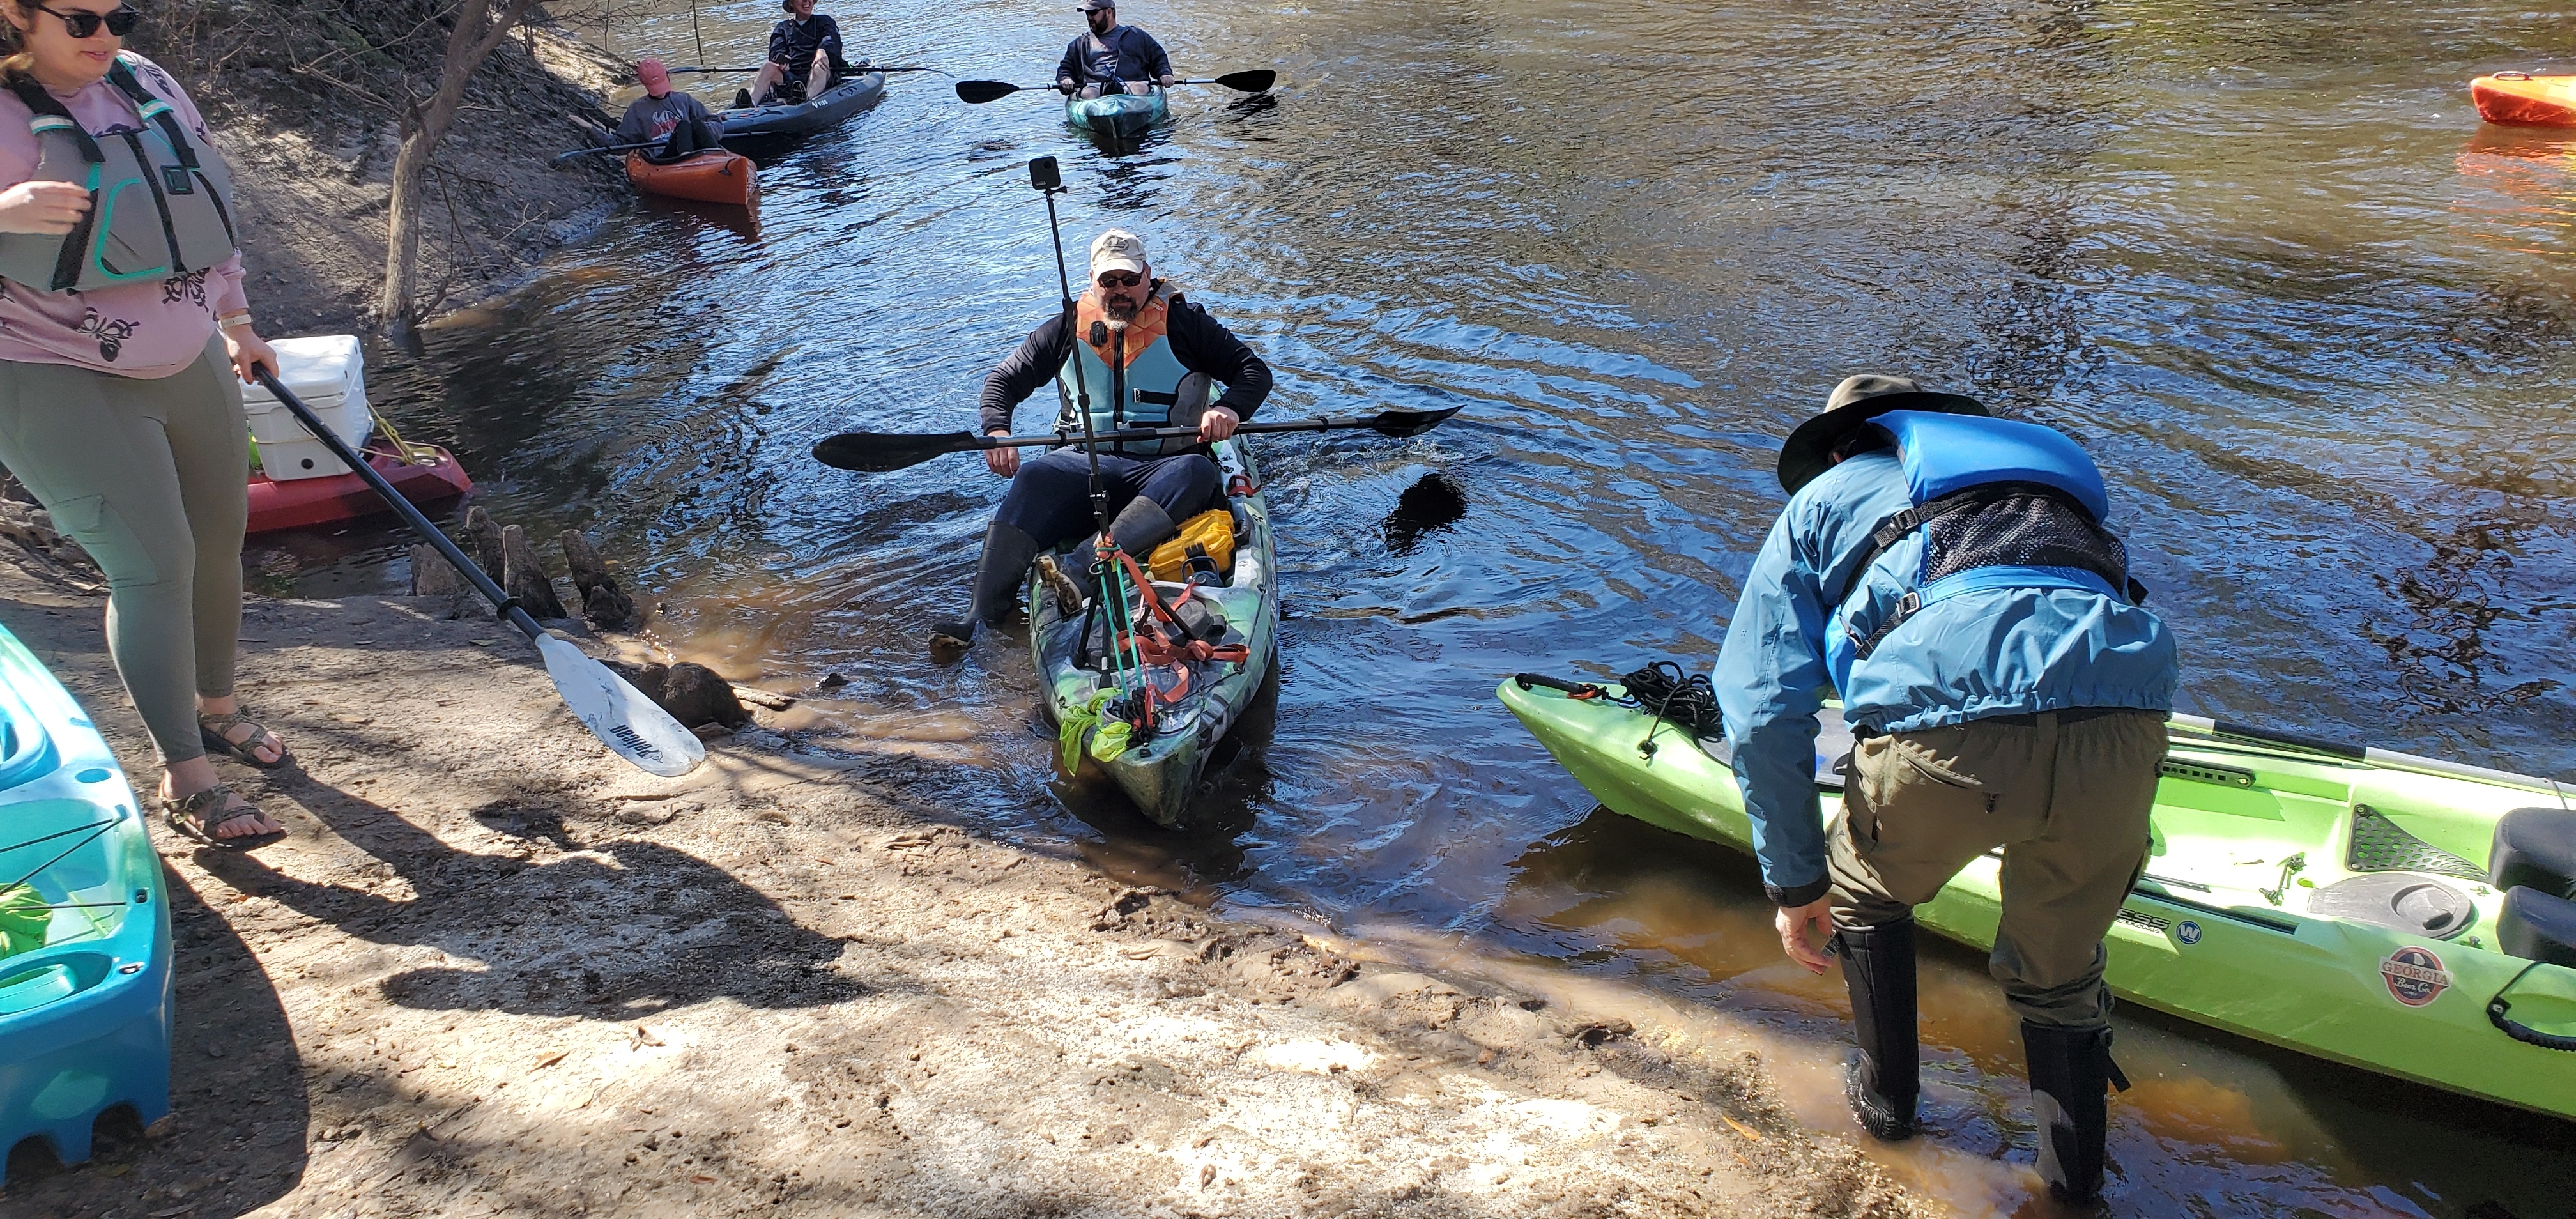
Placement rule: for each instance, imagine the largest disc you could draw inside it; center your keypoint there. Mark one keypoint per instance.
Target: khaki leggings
(2067, 797)
(150, 478)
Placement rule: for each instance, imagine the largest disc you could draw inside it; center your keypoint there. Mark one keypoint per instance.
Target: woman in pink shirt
(122, 330)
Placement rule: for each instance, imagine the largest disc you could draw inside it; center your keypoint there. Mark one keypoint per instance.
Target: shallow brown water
(2313, 319)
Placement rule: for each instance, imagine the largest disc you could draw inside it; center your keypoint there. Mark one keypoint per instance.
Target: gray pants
(2066, 795)
(150, 478)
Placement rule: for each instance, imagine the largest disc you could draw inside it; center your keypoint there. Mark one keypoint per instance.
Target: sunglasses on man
(85, 24)
(1120, 279)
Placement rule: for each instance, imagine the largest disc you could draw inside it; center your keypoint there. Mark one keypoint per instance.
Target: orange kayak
(713, 176)
(2520, 97)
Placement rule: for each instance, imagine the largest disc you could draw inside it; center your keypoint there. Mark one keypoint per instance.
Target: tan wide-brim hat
(1808, 451)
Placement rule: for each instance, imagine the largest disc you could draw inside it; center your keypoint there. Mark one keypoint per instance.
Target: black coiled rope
(1684, 700)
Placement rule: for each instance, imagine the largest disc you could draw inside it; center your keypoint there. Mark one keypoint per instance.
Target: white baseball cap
(1117, 250)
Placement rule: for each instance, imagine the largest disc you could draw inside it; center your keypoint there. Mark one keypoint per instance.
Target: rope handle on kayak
(2524, 1033)
(1575, 689)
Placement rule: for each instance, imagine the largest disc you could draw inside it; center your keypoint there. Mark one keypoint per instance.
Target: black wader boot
(2069, 1071)
(998, 576)
(1881, 1082)
(1140, 527)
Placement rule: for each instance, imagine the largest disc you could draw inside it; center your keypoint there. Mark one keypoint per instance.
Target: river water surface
(2312, 318)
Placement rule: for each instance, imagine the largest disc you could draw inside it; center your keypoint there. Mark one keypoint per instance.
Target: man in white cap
(804, 58)
(1109, 56)
(1173, 353)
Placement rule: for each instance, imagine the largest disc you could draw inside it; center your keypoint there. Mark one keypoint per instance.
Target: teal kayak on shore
(85, 978)
(2400, 914)
(1123, 116)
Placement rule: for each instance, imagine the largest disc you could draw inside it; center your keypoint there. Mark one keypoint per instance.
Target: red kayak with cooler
(712, 176)
(2524, 99)
(295, 482)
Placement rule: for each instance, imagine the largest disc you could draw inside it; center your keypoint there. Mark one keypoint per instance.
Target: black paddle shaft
(474, 575)
(881, 452)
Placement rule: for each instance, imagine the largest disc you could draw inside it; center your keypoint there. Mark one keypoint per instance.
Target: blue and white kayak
(84, 924)
(1123, 116)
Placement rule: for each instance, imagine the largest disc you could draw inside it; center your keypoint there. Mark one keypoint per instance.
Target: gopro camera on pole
(1049, 181)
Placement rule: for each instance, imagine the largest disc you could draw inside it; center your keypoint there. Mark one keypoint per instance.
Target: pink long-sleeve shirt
(144, 330)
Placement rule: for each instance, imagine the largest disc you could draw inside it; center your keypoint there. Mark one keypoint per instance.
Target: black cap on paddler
(1809, 450)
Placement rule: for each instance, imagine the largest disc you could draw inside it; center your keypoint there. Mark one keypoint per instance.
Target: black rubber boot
(998, 576)
(2070, 1069)
(1140, 527)
(1881, 1082)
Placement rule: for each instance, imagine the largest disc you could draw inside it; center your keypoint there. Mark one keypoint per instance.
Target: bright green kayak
(2331, 901)
(1124, 116)
(1161, 773)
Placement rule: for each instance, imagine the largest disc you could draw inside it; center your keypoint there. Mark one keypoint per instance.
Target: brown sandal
(213, 728)
(199, 814)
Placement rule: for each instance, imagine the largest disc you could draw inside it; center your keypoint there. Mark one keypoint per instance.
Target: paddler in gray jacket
(1174, 351)
(1109, 56)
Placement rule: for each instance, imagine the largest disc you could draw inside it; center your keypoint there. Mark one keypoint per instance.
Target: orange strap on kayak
(1153, 646)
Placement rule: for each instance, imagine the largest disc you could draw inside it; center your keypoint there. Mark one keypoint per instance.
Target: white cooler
(328, 373)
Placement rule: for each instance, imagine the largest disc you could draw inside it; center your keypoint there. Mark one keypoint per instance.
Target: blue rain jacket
(1983, 652)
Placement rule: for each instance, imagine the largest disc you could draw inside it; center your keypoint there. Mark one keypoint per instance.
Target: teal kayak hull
(1124, 116)
(2223, 929)
(1162, 775)
(85, 979)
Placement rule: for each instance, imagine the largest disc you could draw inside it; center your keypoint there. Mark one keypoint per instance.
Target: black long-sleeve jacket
(1199, 342)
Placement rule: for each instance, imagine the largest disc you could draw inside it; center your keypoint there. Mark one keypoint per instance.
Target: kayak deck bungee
(1125, 116)
(710, 176)
(2337, 902)
(1161, 772)
(2527, 100)
(851, 95)
(85, 978)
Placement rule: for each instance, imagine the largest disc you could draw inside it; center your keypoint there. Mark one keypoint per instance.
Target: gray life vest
(159, 205)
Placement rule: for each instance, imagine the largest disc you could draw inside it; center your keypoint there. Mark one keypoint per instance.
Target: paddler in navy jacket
(1949, 574)
(1110, 56)
(1174, 351)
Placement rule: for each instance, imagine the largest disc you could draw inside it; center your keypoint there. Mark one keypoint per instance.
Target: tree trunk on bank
(423, 126)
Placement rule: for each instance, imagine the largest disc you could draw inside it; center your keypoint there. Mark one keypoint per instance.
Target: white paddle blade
(619, 714)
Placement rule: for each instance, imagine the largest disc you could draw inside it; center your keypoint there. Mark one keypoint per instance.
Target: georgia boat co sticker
(2414, 975)
(2188, 932)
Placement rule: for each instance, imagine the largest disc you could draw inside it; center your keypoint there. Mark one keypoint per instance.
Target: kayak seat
(2399, 901)
(2535, 848)
(2537, 927)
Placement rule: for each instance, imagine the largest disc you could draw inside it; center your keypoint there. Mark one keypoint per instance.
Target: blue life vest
(1154, 390)
(2002, 505)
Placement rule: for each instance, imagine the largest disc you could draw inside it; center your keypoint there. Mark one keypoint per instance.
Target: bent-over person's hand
(1793, 923)
(1005, 461)
(1217, 424)
(45, 208)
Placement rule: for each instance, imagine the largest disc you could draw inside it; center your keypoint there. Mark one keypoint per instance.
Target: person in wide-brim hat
(1809, 450)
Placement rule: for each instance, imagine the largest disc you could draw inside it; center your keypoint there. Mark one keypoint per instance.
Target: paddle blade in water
(979, 91)
(619, 714)
(880, 452)
(1400, 424)
(1258, 80)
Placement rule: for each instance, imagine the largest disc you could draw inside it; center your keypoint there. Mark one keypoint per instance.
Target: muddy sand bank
(496, 971)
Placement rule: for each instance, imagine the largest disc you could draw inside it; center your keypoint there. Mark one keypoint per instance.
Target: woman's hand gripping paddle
(615, 712)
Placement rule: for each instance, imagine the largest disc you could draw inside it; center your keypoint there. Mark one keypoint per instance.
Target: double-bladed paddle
(854, 68)
(977, 92)
(617, 713)
(562, 157)
(879, 452)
